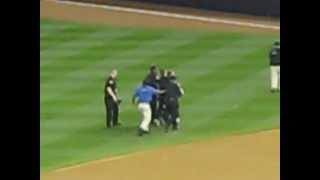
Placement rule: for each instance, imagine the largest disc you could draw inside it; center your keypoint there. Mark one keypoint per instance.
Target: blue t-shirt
(144, 93)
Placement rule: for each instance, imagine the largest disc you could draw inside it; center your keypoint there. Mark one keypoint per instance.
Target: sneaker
(141, 132)
(157, 123)
(175, 127)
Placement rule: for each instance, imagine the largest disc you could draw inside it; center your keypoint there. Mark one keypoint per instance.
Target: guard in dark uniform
(173, 77)
(112, 100)
(274, 56)
(152, 81)
(171, 99)
(163, 81)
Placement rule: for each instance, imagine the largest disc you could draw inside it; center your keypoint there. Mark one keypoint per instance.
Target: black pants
(154, 109)
(112, 111)
(161, 109)
(172, 112)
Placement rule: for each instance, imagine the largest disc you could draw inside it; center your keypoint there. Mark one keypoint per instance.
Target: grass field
(225, 77)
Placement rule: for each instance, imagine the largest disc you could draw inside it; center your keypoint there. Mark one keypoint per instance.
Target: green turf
(225, 77)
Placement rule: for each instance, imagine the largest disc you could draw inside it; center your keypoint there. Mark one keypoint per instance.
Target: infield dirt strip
(245, 157)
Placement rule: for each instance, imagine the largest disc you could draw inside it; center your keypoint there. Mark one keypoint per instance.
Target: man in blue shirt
(143, 96)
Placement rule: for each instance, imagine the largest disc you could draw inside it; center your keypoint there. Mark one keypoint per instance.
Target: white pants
(145, 111)
(275, 77)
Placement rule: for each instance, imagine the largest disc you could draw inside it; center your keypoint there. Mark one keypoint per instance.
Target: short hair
(276, 43)
(145, 82)
(113, 71)
(153, 67)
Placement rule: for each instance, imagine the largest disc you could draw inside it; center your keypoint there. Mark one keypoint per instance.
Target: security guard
(163, 82)
(151, 80)
(171, 99)
(173, 78)
(274, 56)
(112, 100)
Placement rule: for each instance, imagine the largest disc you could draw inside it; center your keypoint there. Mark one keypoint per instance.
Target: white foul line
(172, 15)
(98, 161)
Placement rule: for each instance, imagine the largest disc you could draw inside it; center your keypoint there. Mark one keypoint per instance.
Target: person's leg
(115, 114)
(278, 78)
(178, 120)
(169, 116)
(153, 105)
(161, 109)
(108, 113)
(273, 78)
(146, 116)
(174, 115)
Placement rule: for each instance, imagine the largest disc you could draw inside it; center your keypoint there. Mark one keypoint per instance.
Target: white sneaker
(157, 122)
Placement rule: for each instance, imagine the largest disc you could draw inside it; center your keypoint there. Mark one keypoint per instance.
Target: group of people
(157, 99)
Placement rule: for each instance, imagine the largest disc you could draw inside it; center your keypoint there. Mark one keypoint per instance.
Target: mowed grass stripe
(48, 29)
(243, 65)
(71, 49)
(127, 65)
(210, 106)
(64, 35)
(113, 53)
(146, 50)
(65, 67)
(215, 58)
(247, 115)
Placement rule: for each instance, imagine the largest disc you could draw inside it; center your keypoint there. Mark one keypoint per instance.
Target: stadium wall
(253, 7)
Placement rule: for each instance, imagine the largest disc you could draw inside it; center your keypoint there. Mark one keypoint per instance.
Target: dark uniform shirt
(111, 82)
(151, 79)
(274, 56)
(172, 91)
(162, 82)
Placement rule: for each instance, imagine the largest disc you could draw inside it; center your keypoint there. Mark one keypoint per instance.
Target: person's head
(114, 73)
(276, 44)
(153, 68)
(171, 74)
(163, 73)
(144, 83)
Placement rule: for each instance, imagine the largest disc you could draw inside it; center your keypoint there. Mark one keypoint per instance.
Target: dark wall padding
(254, 7)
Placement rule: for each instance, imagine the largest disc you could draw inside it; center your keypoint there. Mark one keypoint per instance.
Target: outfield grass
(225, 77)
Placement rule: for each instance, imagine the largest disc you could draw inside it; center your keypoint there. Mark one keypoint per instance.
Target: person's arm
(134, 97)
(180, 89)
(114, 97)
(157, 91)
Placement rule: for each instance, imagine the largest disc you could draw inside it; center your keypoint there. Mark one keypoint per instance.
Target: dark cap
(276, 43)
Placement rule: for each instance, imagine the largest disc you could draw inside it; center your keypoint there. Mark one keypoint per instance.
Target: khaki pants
(275, 77)
(145, 111)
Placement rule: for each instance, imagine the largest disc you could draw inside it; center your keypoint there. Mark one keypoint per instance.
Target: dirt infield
(246, 157)
(52, 10)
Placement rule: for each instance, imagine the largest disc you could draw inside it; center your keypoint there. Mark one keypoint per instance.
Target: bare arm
(160, 91)
(114, 97)
(180, 89)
